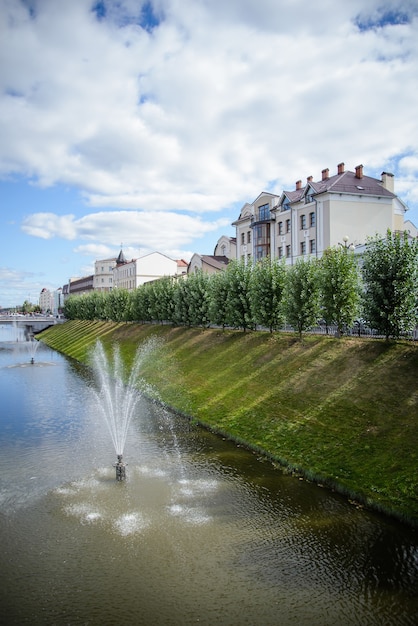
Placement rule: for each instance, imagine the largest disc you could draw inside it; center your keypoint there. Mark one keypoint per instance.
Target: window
(309, 197)
(249, 236)
(303, 247)
(288, 252)
(280, 251)
(264, 212)
(302, 222)
(242, 238)
(312, 246)
(312, 219)
(280, 228)
(288, 226)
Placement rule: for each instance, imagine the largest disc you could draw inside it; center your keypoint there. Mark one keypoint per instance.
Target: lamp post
(345, 245)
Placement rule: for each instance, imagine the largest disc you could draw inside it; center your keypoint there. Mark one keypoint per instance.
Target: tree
(340, 287)
(198, 298)
(267, 285)
(390, 274)
(218, 295)
(238, 302)
(301, 300)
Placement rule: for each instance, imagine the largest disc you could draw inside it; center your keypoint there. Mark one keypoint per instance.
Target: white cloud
(48, 225)
(133, 228)
(221, 98)
(166, 130)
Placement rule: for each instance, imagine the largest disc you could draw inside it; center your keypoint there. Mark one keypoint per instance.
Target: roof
(121, 260)
(347, 182)
(217, 262)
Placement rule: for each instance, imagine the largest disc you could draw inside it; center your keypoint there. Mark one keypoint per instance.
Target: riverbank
(340, 412)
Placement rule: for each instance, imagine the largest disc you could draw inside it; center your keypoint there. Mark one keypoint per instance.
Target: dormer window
(285, 204)
(309, 197)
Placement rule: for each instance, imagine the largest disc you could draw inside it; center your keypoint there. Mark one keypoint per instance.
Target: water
(201, 532)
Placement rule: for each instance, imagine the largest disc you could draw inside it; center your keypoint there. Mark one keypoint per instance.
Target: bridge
(31, 323)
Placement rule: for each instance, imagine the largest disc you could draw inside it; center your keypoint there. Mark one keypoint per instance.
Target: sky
(148, 125)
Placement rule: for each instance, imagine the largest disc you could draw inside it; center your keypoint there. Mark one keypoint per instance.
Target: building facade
(317, 215)
(103, 274)
(131, 274)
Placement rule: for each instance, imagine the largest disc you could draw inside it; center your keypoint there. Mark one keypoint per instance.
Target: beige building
(319, 214)
(103, 273)
(207, 263)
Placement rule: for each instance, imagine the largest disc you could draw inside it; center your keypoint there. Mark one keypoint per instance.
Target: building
(210, 264)
(46, 301)
(226, 246)
(131, 274)
(103, 272)
(79, 286)
(317, 215)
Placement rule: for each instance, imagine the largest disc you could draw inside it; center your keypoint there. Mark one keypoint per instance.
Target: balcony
(264, 217)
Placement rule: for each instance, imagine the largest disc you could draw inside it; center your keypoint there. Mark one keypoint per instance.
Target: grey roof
(347, 182)
(121, 260)
(218, 262)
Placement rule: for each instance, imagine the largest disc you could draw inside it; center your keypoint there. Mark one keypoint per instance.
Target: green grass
(341, 412)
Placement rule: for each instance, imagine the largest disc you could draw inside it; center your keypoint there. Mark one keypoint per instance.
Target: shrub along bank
(340, 412)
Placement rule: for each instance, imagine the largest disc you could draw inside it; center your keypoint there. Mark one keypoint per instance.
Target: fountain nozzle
(120, 468)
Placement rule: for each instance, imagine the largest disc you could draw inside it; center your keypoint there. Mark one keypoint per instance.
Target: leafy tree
(198, 298)
(117, 305)
(238, 303)
(218, 296)
(161, 299)
(181, 302)
(267, 285)
(138, 310)
(301, 300)
(340, 287)
(390, 274)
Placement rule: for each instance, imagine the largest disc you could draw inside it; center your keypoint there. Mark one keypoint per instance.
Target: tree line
(380, 288)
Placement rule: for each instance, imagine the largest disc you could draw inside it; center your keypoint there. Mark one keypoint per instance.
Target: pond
(201, 532)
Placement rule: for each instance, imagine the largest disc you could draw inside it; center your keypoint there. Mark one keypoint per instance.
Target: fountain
(32, 346)
(118, 394)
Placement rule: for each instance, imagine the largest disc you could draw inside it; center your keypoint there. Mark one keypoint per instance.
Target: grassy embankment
(341, 412)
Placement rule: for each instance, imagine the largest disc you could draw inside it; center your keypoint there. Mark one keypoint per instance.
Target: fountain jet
(118, 393)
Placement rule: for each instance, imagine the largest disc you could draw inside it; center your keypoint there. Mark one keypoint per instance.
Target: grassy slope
(342, 411)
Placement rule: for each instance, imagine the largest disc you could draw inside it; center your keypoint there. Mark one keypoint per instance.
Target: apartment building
(318, 214)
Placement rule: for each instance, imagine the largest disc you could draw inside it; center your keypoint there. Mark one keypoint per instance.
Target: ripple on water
(130, 523)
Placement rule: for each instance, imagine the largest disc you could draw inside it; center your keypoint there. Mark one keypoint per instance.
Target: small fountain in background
(32, 346)
(118, 394)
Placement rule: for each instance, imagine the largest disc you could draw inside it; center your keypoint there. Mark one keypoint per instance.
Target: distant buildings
(295, 224)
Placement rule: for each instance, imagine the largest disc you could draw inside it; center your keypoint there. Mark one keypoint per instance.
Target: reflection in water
(201, 532)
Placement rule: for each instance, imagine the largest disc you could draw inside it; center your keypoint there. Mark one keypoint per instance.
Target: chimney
(340, 168)
(309, 179)
(388, 181)
(325, 174)
(359, 171)
(298, 184)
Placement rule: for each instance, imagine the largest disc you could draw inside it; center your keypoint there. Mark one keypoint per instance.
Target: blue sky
(150, 124)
